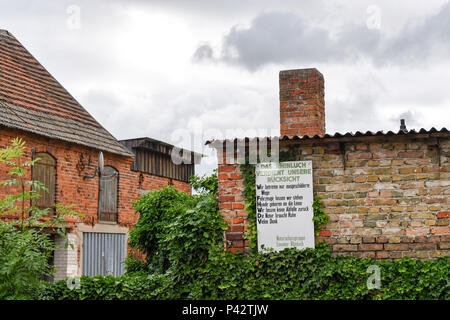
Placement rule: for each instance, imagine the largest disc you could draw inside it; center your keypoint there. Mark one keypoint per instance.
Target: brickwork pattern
(387, 198)
(232, 206)
(75, 161)
(302, 102)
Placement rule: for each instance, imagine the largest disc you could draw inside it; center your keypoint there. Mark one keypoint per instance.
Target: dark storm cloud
(277, 37)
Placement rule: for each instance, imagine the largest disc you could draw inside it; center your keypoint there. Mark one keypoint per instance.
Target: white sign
(284, 199)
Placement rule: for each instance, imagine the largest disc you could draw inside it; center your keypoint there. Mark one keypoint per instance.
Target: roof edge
(338, 135)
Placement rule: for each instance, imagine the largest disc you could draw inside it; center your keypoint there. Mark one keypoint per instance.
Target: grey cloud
(279, 38)
(417, 43)
(354, 113)
(276, 37)
(412, 119)
(284, 37)
(203, 53)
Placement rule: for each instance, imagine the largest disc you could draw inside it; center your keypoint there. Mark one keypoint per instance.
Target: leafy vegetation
(175, 229)
(289, 274)
(206, 184)
(181, 235)
(25, 246)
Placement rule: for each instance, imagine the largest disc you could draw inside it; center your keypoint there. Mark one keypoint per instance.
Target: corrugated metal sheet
(337, 135)
(103, 254)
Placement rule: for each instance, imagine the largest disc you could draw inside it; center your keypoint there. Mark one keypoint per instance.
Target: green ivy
(175, 228)
(320, 218)
(248, 173)
(311, 274)
(186, 231)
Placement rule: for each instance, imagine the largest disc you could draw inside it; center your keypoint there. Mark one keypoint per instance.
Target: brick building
(387, 193)
(57, 129)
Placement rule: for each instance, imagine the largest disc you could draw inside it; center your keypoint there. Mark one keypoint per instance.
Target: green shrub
(206, 184)
(290, 274)
(136, 286)
(25, 244)
(182, 237)
(24, 258)
(175, 229)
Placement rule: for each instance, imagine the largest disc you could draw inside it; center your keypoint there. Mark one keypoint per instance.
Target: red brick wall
(302, 102)
(73, 189)
(152, 182)
(390, 197)
(232, 206)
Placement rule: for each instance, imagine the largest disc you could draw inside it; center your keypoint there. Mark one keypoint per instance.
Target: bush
(175, 229)
(24, 258)
(25, 243)
(290, 274)
(136, 286)
(182, 238)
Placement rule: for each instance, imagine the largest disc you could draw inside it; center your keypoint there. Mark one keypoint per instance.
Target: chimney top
(403, 126)
(302, 102)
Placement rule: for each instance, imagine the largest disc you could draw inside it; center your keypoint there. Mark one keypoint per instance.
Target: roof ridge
(39, 92)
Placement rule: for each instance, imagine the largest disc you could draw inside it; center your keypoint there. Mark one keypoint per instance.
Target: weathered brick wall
(152, 182)
(389, 198)
(232, 206)
(73, 189)
(302, 102)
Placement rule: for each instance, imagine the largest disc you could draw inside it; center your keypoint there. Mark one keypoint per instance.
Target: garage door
(103, 254)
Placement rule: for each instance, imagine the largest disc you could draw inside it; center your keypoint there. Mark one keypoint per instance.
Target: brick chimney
(302, 102)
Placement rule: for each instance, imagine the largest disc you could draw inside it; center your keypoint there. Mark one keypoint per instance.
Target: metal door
(103, 254)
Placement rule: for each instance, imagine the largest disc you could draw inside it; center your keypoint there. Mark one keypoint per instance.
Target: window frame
(100, 199)
(52, 209)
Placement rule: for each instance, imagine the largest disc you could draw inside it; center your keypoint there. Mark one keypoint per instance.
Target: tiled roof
(338, 135)
(32, 100)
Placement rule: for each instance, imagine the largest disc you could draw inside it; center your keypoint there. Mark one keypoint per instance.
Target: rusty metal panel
(103, 254)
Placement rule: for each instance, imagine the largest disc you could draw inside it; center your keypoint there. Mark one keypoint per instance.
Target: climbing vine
(248, 173)
(320, 218)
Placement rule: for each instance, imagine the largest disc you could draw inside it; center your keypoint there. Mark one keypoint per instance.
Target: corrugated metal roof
(32, 100)
(338, 135)
(157, 146)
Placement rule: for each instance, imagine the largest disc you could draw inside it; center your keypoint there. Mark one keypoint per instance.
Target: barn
(69, 141)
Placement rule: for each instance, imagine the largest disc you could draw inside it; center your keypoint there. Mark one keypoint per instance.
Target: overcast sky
(171, 70)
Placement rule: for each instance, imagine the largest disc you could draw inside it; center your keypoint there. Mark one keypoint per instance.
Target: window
(107, 196)
(44, 171)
